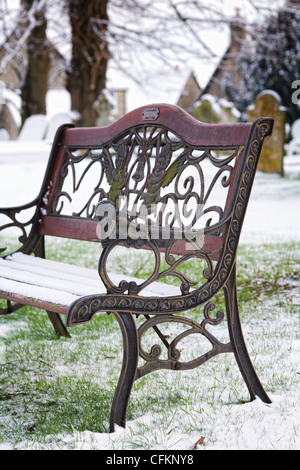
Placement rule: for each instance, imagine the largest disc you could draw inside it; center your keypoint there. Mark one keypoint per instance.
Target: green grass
(50, 387)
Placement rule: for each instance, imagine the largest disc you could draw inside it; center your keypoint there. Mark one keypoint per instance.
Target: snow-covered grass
(56, 393)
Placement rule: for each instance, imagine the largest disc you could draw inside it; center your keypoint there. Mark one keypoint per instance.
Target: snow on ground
(272, 216)
(273, 213)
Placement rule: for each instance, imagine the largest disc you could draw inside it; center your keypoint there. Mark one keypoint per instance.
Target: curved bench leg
(238, 342)
(128, 371)
(58, 325)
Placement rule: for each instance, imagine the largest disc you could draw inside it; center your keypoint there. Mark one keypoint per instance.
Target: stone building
(189, 94)
(227, 65)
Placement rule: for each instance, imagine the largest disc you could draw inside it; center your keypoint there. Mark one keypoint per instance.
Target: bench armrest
(84, 308)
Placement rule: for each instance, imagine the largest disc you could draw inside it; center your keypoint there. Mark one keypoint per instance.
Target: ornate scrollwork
(148, 165)
(171, 270)
(150, 174)
(216, 275)
(16, 221)
(153, 359)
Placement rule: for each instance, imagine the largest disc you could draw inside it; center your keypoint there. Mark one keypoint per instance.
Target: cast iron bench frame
(150, 130)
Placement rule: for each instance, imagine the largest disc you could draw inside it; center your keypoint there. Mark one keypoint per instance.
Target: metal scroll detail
(148, 166)
(153, 359)
(171, 268)
(82, 311)
(149, 174)
(20, 221)
(127, 297)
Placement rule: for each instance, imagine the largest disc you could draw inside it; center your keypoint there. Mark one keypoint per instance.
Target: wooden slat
(33, 301)
(53, 286)
(85, 229)
(69, 227)
(176, 119)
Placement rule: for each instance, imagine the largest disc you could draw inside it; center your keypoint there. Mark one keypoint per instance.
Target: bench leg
(238, 343)
(58, 325)
(128, 371)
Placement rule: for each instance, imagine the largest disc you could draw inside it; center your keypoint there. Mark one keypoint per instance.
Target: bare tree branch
(14, 46)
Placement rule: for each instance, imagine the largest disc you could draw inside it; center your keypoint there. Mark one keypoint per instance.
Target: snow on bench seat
(53, 285)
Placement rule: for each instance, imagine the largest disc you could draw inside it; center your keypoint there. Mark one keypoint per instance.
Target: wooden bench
(156, 179)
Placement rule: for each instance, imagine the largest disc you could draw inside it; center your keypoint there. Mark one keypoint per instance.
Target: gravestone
(34, 128)
(207, 110)
(268, 104)
(212, 109)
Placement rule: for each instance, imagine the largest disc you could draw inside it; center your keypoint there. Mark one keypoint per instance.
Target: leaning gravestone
(268, 104)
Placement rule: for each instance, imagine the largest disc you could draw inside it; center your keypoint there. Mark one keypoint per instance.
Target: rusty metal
(155, 159)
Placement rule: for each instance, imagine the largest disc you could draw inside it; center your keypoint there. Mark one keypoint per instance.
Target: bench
(159, 180)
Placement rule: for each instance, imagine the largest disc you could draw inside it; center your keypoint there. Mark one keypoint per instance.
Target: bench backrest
(185, 175)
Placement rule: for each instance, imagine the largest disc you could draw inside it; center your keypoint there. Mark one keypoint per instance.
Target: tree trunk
(86, 76)
(35, 85)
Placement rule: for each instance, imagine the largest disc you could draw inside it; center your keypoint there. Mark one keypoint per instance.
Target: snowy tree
(141, 37)
(86, 75)
(35, 84)
(270, 59)
(24, 53)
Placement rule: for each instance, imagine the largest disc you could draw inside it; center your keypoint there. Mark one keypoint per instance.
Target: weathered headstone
(268, 104)
(229, 113)
(207, 109)
(34, 128)
(210, 108)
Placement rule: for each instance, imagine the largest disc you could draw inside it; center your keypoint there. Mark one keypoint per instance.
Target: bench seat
(54, 286)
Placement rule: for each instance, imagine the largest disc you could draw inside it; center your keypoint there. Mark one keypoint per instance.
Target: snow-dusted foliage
(270, 59)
